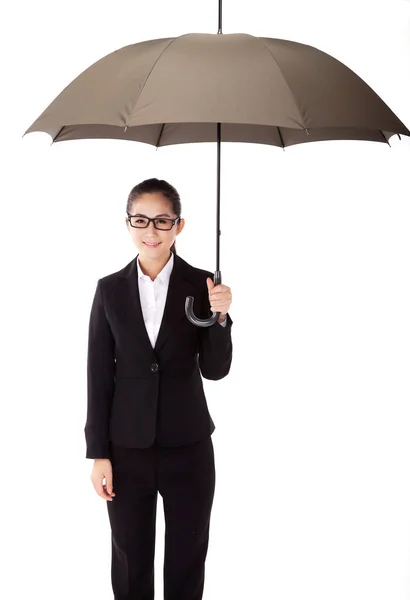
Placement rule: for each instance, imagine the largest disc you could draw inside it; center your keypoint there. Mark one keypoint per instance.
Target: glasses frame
(174, 221)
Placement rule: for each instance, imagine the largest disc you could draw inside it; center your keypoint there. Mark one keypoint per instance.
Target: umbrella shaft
(220, 17)
(218, 193)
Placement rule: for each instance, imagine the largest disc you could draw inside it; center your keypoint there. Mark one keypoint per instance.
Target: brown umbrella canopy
(261, 90)
(225, 88)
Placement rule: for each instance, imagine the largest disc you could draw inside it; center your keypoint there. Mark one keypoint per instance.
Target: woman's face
(153, 206)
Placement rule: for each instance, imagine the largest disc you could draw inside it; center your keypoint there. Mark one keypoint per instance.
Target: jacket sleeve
(100, 379)
(215, 345)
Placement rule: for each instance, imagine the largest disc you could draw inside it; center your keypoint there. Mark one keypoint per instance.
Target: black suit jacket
(136, 393)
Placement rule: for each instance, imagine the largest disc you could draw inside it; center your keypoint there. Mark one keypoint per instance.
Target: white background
(312, 424)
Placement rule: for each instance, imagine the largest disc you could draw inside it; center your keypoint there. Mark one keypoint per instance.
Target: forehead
(152, 205)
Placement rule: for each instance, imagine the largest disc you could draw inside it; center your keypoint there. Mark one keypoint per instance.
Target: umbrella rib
(160, 135)
(387, 141)
(281, 138)
(54, 138)
(285, 80)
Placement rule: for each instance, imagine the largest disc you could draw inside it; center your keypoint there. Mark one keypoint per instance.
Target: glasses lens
(164, 224)
(139, 222)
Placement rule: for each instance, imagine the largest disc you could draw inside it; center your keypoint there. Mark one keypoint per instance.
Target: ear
(180, 226)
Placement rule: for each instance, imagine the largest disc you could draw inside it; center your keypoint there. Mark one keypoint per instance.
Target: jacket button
(154, 368)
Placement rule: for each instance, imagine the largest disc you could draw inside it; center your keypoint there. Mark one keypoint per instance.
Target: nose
(151, 229)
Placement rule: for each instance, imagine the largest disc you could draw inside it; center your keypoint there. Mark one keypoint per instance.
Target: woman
(148, 428)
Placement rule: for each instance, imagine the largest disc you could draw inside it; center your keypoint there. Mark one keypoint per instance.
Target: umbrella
(202, 87)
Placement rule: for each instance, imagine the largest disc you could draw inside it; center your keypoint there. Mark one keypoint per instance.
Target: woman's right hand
(102, 468)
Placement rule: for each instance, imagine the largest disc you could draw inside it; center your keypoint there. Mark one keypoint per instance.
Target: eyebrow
(161, 215)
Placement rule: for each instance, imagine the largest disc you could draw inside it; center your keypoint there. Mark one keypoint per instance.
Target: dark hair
(155, 186)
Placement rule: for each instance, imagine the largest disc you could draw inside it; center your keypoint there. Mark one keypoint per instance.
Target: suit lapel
(174, 311)
(131, 305)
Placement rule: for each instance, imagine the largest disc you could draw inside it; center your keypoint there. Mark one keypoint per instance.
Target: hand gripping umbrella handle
(189, 307)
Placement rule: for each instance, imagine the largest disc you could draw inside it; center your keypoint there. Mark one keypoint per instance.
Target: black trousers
(185, 478)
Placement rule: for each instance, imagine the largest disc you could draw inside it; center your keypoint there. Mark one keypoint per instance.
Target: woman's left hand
(220, 297)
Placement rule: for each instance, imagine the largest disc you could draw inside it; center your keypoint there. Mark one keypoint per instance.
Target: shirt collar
(163, 276)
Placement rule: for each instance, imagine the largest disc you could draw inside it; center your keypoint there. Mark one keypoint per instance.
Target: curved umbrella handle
(189, 308)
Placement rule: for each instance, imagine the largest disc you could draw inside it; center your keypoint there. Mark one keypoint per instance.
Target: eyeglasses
(159, 223)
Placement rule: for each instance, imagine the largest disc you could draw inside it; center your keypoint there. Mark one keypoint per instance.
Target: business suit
(147, 412)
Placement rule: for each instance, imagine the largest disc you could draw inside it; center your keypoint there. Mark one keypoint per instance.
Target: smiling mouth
(152, 244)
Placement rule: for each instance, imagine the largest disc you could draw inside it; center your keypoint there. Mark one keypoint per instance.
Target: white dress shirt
(153, 295)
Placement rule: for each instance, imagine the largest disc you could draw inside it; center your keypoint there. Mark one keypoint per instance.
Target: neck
(152, 267)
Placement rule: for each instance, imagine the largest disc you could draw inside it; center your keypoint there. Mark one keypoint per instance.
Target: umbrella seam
(153, 67)
(285, 80)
